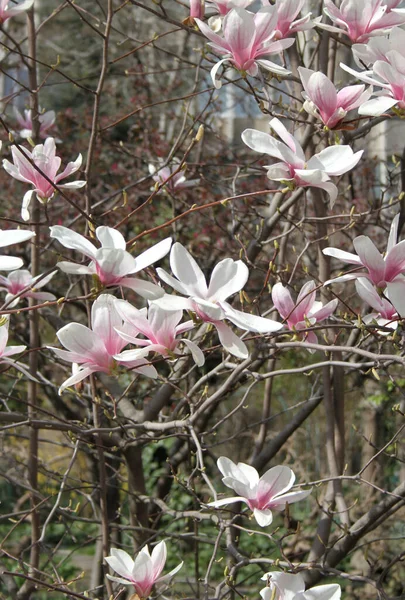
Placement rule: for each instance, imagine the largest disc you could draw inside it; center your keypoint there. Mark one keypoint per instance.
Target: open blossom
(287, 22)
(305, 312)
(262, 495)
(209, 302)
(112, 264)
(294, 168)
(361, 19)
(143, 572)
(9, 237)
(160, 328)
(386, 314)
(46, 161)
(247, 40)
(389, 74)
(286, 586)
(385, 272)
(46, 120)
(324, 102)
(175, 183)
(377, 48)
(93, 350)
(21, 280)
(10, 9)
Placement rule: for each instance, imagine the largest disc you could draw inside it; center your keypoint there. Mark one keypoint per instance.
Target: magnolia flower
(21, 280)
(15, 9)
(247, 39)
(7, 351)
(223, 7)
(111, 263)
(144, 572)
(46, 120)
(160, 328)
(389, 74)
(294, 168)
(9, 237)
(177, 182)
(93, 350)
(386, 314)
(305, 312)
(287, 22)
(45, 159)
(324, 102)
(209, 302)
(385, 272)
(261, 495)
(377, 48)
(285, 586)
(361, 19)
(197, 9)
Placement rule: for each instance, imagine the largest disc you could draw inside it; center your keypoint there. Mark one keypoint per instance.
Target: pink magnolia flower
(287, 22)
(361, 19)
(160, 328)
(21, 280)
(93, 350)
(385, 272)
(46, 120)
(262, 495)
(305, 312)
(324, 102)
(286, 586)
(389, 74)
(386, 314)
(9, 237)
(45, 159)
(112, 264)
(209, 302)
(7, 351)
(246, 41)
(172, 184)
(14, 10)
(377, 48)
(143, 572)
(294, 169)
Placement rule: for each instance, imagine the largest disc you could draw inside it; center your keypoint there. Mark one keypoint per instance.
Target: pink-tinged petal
(170, 575)
(225, 501)
(146, 289)
(152, 255)
(273, 67)
(370, 258)
(119, 580)
(196, 352)
(395, 261)
(282, 300)
(42, 296)
(9, 237)
(287, 138)
(111, 238)
(79, 339)
(322, 92)
(324, 592)
(377, 106)
(120, 562)
(250, 322)
(348, 277)
(74, 269)
(280, 501)
(305, 300)
(265, 144)
(131, 355)
(263, 517)
(396, 293)
(349, 96)
(275, 481)
(393, 236)
(365, 76)
(76, 378)
(215, 38)
(265, 21)
(325, 312)
(369, 294)
(207, 311)
(143, 573)
(71, 167)
(239, 33)
(146, 370)
(113, 264)
(10, 263)
(104, 319)
(159, 555)
(228, 277)
(74, 241)
(187, 271)
(72, 185)
(347, 257)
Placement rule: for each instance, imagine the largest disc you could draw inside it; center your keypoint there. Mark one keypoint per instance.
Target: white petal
(75, 241)
(110, 238)
(263, 517)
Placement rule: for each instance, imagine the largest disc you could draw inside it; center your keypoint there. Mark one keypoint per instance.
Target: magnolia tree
(190, 309)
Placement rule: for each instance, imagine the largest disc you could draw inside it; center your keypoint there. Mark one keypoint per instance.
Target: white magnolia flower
(208, 302)
(262, 495)
(286, 586)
